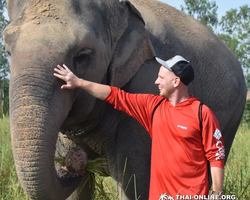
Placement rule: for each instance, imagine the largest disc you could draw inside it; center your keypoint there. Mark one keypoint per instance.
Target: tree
(5, 108)
(202, 10)
(235, 27)
(4, 64)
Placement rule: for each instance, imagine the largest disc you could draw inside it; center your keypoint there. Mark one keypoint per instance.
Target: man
(179, 150)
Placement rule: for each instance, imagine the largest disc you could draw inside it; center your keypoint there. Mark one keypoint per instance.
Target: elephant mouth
(73, 129)
(72, 133)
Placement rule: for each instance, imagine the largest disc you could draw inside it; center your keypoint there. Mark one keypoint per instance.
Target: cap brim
(163, 63)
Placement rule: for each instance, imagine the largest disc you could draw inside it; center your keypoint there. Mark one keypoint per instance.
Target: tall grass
(10, 188)
(237, 169)
(236, 182)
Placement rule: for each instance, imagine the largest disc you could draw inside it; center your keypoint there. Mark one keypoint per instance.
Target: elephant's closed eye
(7, 50)
(82, 57)
(84, 52)
(9, 54)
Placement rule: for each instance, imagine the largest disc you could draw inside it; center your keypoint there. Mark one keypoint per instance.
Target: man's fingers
(63, 68)
(66, 87)
(66, 68)
(59, 76)
(63, 73)
(63, 87)
(60, 67)
(59, 71)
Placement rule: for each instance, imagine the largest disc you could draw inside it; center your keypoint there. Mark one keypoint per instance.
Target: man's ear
(133, 47)
(177, 81)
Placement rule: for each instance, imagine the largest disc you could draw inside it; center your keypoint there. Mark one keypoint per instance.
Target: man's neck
(178, 98)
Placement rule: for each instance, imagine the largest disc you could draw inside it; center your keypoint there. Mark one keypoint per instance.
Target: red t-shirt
(179, 154)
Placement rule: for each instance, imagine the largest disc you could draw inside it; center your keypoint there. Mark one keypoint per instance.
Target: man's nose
(156, 82)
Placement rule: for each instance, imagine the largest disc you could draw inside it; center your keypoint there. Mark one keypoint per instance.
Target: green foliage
(202, 10)
(97, 169)
(237, 171)
(235, 27)
(98, 166)
(247, 77)
(6, 97)
(246, 116)
(231, 42)
(10, 187)
(4, 65)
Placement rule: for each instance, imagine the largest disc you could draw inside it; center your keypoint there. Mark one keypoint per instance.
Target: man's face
(166, 82)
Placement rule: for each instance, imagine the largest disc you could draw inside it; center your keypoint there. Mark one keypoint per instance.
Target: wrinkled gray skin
(107, 42)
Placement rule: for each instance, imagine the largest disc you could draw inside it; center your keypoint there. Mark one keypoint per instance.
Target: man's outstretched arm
(97, 90)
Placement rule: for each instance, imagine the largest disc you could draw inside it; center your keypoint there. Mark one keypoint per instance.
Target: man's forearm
(97, 90)
(217, 178)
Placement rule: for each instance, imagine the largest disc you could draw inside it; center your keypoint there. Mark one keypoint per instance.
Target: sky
(223, 5)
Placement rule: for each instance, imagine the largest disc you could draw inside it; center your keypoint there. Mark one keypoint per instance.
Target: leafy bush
(246, 115)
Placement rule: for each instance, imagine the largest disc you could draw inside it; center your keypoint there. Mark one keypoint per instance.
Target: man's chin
(162, 94)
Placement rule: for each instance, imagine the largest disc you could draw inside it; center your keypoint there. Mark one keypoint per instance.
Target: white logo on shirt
(183, 127)
(221, 151)
(217, 134)
(164, 196)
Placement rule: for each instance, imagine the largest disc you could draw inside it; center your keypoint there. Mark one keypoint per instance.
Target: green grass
(236, 181)
(10, 188)
(237, 169)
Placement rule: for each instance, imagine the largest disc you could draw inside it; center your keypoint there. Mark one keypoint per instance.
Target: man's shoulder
(153, 97)
(198, 105)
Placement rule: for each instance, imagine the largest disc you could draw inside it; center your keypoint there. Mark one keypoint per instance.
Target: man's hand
(64, 73)
(216, 195)
(97, 90)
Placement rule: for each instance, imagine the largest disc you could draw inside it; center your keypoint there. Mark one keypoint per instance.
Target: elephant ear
(132, 48)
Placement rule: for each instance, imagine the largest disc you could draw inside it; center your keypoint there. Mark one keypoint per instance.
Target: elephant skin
(111, 42)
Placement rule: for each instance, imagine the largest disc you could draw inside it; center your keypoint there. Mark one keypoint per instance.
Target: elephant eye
(82, 57)
(84, 52)
(9, 54)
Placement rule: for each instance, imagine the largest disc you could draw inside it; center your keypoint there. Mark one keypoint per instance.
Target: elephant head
(100, 41)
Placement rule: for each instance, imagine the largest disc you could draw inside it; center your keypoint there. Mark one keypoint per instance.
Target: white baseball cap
(183, 70)
(171, 62)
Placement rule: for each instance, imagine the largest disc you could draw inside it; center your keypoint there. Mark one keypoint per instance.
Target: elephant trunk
(35, 119)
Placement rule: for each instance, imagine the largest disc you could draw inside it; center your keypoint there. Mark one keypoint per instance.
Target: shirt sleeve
(139, 106)
(212, 139)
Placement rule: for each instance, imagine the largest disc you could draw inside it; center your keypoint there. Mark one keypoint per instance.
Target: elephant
(110, 42)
